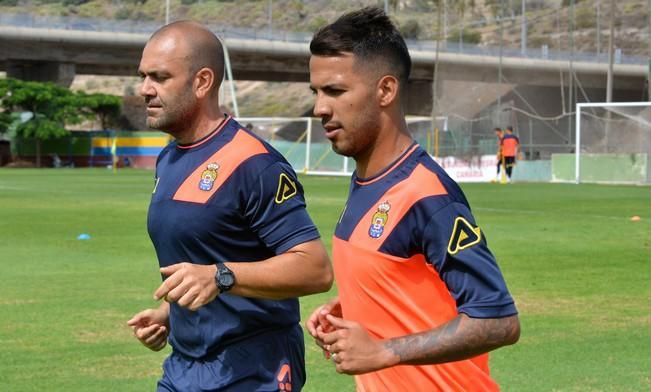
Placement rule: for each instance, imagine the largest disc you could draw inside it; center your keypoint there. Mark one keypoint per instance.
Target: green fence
(603, 168)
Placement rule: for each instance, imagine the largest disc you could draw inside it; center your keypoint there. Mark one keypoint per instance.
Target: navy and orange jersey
(409, 257)
(228, 198)
(510, 144)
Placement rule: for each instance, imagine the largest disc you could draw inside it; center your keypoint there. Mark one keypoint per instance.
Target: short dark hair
(370, 35)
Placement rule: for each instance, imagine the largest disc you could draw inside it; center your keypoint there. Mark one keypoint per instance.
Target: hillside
(253, 98)
(548, 20)
(548, 24)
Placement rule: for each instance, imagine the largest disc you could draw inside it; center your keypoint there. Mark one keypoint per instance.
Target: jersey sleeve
(457, 248)
(276, 209)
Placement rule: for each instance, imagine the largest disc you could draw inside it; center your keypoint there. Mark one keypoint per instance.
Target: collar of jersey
(388, 169)
(207, 137)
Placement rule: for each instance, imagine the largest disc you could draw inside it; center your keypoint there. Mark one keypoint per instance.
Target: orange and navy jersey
(409, 257)
(499, 147)
(510, 144)
(230, 197)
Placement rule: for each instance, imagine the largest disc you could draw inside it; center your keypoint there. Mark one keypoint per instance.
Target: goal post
(427, 131)
(613, 144)
(302, 141)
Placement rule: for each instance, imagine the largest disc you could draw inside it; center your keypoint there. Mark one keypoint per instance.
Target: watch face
(226, 279)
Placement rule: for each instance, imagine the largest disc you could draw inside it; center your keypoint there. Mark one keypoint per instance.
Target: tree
(103, 107)
(466, 35)
(49, 104)
(5, 122)
(410, 29)
(52, 108)
(567, 3)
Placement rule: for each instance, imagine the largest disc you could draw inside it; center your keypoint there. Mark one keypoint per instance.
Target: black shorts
(271, 361)
(509, 161)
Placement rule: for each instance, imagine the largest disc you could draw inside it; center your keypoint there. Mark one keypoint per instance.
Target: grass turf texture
(578, 268)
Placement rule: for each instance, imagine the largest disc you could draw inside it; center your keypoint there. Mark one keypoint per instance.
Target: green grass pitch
(579, 269)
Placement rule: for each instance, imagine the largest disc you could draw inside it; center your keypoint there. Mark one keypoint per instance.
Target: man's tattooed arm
(461, 338)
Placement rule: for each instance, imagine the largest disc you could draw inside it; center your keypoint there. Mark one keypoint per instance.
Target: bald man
(234, 242)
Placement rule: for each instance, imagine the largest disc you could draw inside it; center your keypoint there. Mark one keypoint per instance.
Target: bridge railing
(144, 27)
(139, 26)
(533, 53)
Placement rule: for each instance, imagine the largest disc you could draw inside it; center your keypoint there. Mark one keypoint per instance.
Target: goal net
(302, 141)
(613, 145)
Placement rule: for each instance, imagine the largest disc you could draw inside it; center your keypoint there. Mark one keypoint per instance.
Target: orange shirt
(386, 277)
(510, 145)
(499, 147)
(395, 297)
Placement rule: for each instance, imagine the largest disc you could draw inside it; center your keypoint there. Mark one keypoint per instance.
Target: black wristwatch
(224, 277)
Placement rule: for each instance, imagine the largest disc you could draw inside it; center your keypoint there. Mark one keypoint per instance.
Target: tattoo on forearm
(460, 338)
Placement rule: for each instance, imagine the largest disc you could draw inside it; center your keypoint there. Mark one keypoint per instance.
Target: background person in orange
(421, 298)
(500, 159)
(510, 144)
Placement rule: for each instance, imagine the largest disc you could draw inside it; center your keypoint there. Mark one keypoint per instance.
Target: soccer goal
(302, 141)
(428, 133)
(613, 144)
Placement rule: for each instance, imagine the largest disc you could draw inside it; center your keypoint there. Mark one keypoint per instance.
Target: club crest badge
(208, 177)
(379, 220)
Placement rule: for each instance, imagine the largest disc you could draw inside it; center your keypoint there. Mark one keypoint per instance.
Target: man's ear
(204, 80)
(387, 90)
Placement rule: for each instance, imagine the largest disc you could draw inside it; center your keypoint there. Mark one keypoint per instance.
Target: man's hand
(318, 318)
(317, 323)
(151, 328)
(189, 285)
(353, 350)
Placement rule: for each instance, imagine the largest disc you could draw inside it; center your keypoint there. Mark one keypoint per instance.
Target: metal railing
(144, 27)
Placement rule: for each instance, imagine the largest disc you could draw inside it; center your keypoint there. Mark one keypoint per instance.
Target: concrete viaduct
(58, 54)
